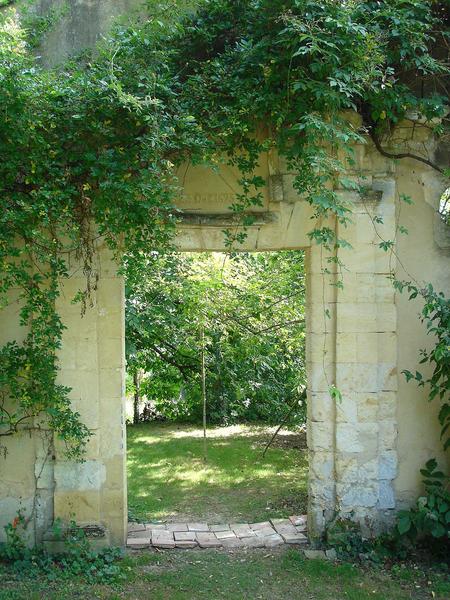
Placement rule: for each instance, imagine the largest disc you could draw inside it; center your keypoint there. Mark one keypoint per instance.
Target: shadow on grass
(168, 478)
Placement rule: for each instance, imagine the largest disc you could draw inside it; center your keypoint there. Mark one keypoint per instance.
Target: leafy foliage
(77, 560)
(88, 151)
(252, 311)
(431, 516)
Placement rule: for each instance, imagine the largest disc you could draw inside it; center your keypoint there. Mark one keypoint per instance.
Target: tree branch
(395, 156)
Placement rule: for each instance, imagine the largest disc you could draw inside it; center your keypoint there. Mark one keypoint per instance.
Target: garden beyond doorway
(242, 317)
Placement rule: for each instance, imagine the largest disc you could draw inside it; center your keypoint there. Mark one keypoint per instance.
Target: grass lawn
(281, 574)
(169, 480)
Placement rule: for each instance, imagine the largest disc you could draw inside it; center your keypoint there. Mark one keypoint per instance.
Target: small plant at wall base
(78, 559)
(431, 515)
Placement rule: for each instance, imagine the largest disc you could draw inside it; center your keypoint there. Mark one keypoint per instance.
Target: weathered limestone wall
(366, 450)
(35, 475)
(92, 364)
(80, 24)
(425, 256)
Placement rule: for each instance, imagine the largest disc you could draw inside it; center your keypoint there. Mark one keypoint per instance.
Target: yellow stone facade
(365, 451)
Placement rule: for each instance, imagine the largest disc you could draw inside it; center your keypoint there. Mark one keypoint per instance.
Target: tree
(251, 308)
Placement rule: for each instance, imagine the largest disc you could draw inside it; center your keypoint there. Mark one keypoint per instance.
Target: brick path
(193, 535)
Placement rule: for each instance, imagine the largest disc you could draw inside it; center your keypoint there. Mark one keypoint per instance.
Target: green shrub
(430, 518)
(77, 560)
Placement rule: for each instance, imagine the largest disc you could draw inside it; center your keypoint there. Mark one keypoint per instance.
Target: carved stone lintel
(225, 219)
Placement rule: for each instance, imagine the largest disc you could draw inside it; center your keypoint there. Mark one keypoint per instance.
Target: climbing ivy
(88, 150)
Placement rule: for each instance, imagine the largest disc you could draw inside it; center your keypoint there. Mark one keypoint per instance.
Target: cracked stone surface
(227, 535)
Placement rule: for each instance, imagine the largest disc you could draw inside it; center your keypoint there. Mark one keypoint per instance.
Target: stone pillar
(366, 364)
(352, 441)
(92, 357)
(321, 366)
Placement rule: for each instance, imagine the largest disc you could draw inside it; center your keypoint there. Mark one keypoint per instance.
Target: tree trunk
(136, 398)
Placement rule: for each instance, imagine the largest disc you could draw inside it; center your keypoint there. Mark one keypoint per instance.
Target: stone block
(355, 469)
(185, 536)
(387, 405)
(135, 527)
(208, 540)
(297, 538)
(367, 407)
(232, 543)
(386, 495)
(163, 539)
(321, 406)
(243, 531)
(111, 352)
(320, 376)
(186, 544)
(355, 438)
(216, 528)
(387, 465)
(266, 531)
(110, 294)
(253, 542)
(273, 540)
(197, 527)
(357, 377)
(351, 496)
(262, 525)
(225, 535)
(140, 534)
(387, 376)
(388, 435)
(321, 465)
(177, 527)
(320, 435)
(320, 347)
(347, 408)
(78, 477)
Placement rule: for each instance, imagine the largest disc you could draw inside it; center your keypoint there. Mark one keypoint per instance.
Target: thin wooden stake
(202, 339)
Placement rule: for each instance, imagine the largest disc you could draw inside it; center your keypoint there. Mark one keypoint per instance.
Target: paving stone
(140, 534)
(232, 543)
(133, 527)
(190, 535)
(265, 531)
(273, 540)
(163, 539)
(253, 542)
(296, 538)
(276, 522)
(244, 531)
(186, 544)
(184, 536)
(285, 528)
(298, 520)
(208, 540)
(177, 527)
(256, 526)
(225, 535)
(197, 527)
(219, 528)
(138, 543)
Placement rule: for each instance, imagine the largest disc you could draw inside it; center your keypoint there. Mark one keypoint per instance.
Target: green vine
(88, 151)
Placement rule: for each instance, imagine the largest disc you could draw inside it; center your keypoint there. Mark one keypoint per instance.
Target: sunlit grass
(168, 478)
